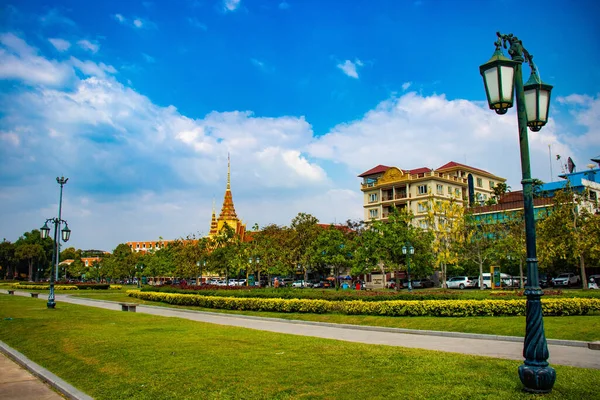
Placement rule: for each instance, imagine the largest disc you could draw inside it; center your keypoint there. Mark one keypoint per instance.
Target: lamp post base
(537, 379)
(51, 304)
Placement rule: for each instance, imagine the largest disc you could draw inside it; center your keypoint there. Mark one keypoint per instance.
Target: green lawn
(586, 327)
(117, 355)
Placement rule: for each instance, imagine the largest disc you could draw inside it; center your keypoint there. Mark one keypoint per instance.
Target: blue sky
(138, 103)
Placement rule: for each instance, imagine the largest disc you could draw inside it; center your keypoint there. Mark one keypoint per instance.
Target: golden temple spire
(213, 221)
(228, 210)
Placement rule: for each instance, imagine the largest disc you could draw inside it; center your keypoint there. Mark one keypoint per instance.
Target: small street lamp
(503, 77)
(256, 260)
(98, 266)
(408, 250)
(139, 269)
(65, 234)
(201, 265)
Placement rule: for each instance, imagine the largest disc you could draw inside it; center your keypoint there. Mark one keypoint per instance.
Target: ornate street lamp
(408, 251)
(200, 265)
(532, 110)
(140, 268)
(65, 234)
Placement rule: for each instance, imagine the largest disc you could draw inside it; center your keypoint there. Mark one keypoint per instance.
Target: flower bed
(439, 308)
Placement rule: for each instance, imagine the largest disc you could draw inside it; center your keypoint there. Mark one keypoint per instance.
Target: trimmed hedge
(58, 286)
(438, 308)
(44, 287)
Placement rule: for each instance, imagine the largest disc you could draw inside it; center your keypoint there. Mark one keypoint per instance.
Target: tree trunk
(30, 269)
(481, 276)
(583, 275)
(521, 284)
(444, 285)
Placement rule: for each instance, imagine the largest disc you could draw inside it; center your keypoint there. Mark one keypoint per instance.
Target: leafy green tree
(478, 244)
(29, 253)
(445, 219)
(334, 249)
(305, 230)
(271, 245)
(500, 189)
(7, 259)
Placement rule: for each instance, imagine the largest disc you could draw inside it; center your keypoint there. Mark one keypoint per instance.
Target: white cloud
(20, 61)
(197, 24)
(134, 22)
(406, 85)
(60, 44)
(91, 68)
(138, 23)
(89, 46)
(349, 67)
(148, 58)
(231, 5)
(120, 18)
(54, 17)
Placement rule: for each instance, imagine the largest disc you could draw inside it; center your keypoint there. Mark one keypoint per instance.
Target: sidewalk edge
(66, 389)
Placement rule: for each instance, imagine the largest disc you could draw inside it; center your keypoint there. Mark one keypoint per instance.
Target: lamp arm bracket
(516, 50)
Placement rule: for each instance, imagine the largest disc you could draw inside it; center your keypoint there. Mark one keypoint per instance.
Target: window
(373, 212)
(479, 182)
(449, 190)
(422, 189)
(457, 192)
(87, 263)
(422, 207)
(137, 245)
(144, 245)
(440, 189)
(372, 197)
(423, 224)
(492, 184)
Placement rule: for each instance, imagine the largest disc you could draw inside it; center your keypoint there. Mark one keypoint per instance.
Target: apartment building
(385, 187)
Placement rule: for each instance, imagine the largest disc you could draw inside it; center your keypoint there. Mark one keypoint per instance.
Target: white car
(459, 282)
(566, 279)
(298, 284)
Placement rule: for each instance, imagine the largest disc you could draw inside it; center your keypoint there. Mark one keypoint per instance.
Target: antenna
(550, 158)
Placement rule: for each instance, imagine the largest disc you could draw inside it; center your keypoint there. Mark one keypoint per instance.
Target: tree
(569, 232)
(510, 240)
(500, 189)
(30, 253)
(7, 259)
(383, 242)
(445, 219)
(305, 230)
(478, 243)
(271, 245)
(333, 249)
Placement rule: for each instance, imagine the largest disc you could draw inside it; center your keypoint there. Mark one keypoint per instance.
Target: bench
(594, 345)
(128, 306)
(11, 292)
(34, 295)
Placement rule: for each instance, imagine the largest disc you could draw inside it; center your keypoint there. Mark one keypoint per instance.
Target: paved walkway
(562, 352)
(17, 383)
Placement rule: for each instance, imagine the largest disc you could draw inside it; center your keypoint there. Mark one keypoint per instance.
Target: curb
(64, 388)
(461, 335)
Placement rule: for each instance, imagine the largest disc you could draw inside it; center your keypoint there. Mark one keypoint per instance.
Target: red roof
(452, 164)
(378, 169)
(421, 170)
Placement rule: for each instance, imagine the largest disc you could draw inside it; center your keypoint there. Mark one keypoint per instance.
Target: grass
(116, 355)
(585, 327)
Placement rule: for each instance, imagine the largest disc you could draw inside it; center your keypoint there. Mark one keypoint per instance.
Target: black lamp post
(65, 233)
(502, 78)
(201, 265)
(139, 269)
(408, 250)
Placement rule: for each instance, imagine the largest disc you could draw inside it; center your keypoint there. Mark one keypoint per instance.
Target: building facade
(387, 187)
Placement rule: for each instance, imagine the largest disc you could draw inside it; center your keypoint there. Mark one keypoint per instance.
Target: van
(505, 280)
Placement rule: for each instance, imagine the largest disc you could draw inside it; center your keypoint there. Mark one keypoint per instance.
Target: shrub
(43, 287)
(439, 308)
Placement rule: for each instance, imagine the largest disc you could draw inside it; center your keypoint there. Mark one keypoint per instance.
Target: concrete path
(562, 352)
(18, 384)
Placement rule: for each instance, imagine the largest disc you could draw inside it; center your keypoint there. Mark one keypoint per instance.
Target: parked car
(422, 283)
(298, 284)
(459, 282)
(594, 282)
(315, 284)
(566, 279)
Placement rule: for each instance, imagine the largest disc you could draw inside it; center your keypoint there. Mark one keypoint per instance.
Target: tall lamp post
(139, 270)
(408, 250)
(201, 265)
(502, 78)
(66, 234)
(256, 260)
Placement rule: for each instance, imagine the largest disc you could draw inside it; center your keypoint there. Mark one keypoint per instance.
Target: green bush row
(438, 308)
(366, 295)
(46, 286)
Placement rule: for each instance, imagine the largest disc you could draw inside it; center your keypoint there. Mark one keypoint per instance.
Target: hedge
(44, 287)
(79, 286)
(438, 308)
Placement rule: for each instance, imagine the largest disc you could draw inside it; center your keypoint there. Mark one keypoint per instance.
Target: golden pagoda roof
(228, 210)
